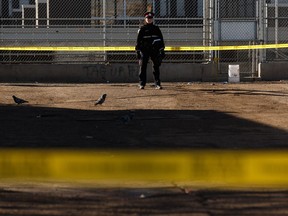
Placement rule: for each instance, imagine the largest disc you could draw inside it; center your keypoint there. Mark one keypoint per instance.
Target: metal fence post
(36, 13)
(104, 29)
(48, 12)
(276, 26)
(262, 28)
(124, 12)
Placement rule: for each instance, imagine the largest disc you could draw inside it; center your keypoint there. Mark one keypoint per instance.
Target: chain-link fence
(246, 22)
(114, 23)
(277, 28)
(85, 23)
(235, 23)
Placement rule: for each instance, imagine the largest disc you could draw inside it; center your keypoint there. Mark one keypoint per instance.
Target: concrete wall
(101, 73)
(128, 73)
(273, 71)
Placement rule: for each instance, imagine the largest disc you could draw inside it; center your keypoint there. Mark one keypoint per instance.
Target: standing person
(150, 44)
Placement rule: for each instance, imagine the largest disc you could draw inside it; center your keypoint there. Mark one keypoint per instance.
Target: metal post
(211, 27)
(216, 43)
(262, 28)
(265, 14)
(10, 8)
(124, 11)
(37, 13)
(48, 13)
(23, 16)
(276, 25)
(259, 18)
(205, 6)
(104, 28)
(253, 60)
(207, 26)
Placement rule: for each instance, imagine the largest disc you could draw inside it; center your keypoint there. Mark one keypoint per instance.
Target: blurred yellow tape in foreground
(204, 167)
(131, 48)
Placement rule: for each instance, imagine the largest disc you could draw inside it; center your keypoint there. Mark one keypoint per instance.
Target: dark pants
(156, 60)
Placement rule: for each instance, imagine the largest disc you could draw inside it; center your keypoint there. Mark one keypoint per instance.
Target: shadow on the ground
(42, 127)
(28, 126)
(161, 201)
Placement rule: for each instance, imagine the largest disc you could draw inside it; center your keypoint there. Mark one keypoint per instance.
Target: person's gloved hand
(139, 54)
(162, 53)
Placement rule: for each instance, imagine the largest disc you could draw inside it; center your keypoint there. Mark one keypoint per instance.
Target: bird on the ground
(101, 99)
(19, 100)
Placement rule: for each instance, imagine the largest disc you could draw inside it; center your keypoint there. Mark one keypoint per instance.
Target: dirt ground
(180, 116)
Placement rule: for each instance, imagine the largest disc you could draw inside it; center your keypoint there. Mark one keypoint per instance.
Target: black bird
(101, 99)
(19, 100)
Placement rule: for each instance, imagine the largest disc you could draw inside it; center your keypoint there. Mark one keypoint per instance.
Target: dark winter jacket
(149, 38)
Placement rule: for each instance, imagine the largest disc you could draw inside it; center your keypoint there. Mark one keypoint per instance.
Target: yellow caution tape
(70, 49)
(201, 167)
(128, 48)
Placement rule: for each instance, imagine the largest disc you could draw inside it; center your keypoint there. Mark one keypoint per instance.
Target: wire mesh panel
(252, 23)
(277, 28)
(236, 24)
